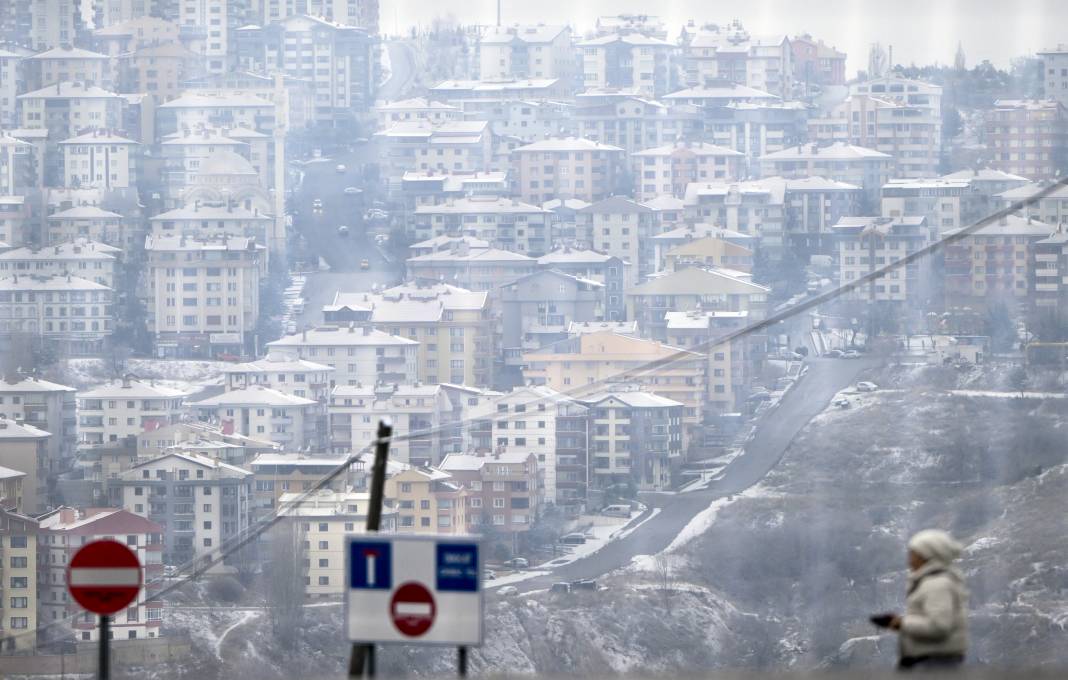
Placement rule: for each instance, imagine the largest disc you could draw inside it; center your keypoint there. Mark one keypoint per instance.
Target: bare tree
(665, 579)
(878, 62)
(285, 584)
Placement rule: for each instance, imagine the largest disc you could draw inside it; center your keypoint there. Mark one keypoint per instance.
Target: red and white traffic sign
(104, 576)
(412, 609)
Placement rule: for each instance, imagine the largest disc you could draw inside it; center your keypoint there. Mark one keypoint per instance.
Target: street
(402, 65)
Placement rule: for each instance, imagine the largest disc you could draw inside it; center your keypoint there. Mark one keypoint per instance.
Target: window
(324, 545)
(324, 580)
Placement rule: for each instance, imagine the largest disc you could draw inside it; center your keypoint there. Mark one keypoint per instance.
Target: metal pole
(105, 671)
(363, 656)
(463, 662)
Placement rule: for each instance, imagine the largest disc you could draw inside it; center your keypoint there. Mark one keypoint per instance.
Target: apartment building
(119, 410)
(67, 109)
(756, 128)
(296, 423)
(627, 60)
(416, 109)
(948, 205)
(1051, 208)
(813, 205)
(731, 366)
(91, 223)
(1027, 137)
(666, 170)
(470, 266)
(535, 89)
(523, 52)
(536, 310)
(96, 262)
(991, 264)
(19, 573)
(204, 439)
(277, 474)
(567, 168)
(1049, 274)
(194, 110)
(11, 489)
(68, 63)
(322, 523)
(1055, 73)
(500, 490)
(14, 220)
(620, 118)
(358, 355)
(427, 501)
(515, 122)
(621, 228)
(587, 363)
(755, 208)
(816, 63)
(431, 188)
(61, 533)
(122, 37)
(453, 326)
(866, 244)
(160, 70)
(731, 53)
(611, 272)
(69, 313)
(419, 413)
(862, 167)
(707, 252)
(10, 81)
(17, 161)
(201, 221)
(635, 439)
(24, 448)
(987, 184)
(458, 146)
(502, 222)
(339, 60)
(53, 23)
(47, 406)
(283, 372)
(200, 503)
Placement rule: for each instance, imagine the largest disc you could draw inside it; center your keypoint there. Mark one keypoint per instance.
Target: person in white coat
(933, 631)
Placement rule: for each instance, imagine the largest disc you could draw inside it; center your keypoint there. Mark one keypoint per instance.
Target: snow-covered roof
(98, 137)
(9, 429)
(567, 144)
(327, 336)
(276, 362)
(531, 34)
(479, 205)
(210, 212)
(573, 256)
(697, 149)
(211, 101)
(461, 462)
(84, 212)
(58, 282)
(184, 243)
(31, 384)
(633, 398)
(131, 389)
(224, 469)
(254, 395)
(698, 281)
(838, 151)
(69, 52)
(70, 90)
(79, 249)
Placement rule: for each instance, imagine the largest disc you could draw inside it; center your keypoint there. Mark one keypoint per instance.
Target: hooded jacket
(936, 609)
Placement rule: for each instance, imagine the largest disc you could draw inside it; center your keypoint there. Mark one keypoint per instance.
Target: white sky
(921, 31)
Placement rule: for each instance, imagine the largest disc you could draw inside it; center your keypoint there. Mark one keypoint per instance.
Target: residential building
(212, 441)
(283, 372)
(474, 268)
(67, 109)
(813, 205)
(19, 534)
(428, 501)
(521, 52)
(53, 23)
(96, 262)
(160, 70)
(1055, 73)
(627, 60)
(127, 36)
(1049, 274)
(530, 89)
(1051, 207)
(756, 208)
(10, 82)
(948, 205)
(194, 110)
(866, 168)
(277, 474)
(47, 406)
(991, 264)
(453, 326)
(453, 146)
(69, 313)
(668, 169)
(707, 252)
(986, 184)
(91, 223)
(537, 308)
(119, 411)
(17, 166)
(61, 534)
(567, 168)
(419, 414)
(733, 353)
(621, 228)
(611, 272)
(731, 53)
(500, 491)
(635, 439)
(202, 295)
(695, 230)
(14, 221)
(504, 223)
(11, 490)
(621, 118)
(815, 63)
(1028, 137)
(515, 122)
(358, 355)
(867, 244)
(68, 63)
(756, 128)
(203, 222)
(199, 502)
(24, 448)
(296, 423)
(416, 109)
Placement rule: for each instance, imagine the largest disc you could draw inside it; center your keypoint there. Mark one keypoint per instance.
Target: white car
(865, 386)
(508, 591)
(340, 168)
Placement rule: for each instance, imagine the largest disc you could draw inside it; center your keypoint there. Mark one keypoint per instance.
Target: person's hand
(895, 623)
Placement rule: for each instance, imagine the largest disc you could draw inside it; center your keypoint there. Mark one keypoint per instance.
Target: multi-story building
(756, 208)
(204, 439)
(707, 252)
(85, 259)
(160, 70)
(668, 169)
(283, 372)
(419, 414)
(635, 439)
(948, 205)
(1028, 137)
(17, 165)
(730, 53)
(100, 159)
(11, 489)
(416, 109)
(867, 244)
(472, 267)
(535, 89)
(53, 23)
(813, 205)
(463, 146)
(816, 63)
(127, 36)
(756, 128)
(537, 309)
(24, 448)
(358, 355)
(14, 221)
(47, 406)
(205, 222)
(1055, 70)
(504, 223)
(119, 410)
(231, 109)
(732, 358)
(866, 168)
(69, 313)
(621, 228)
(987, 184)
(567, 168)
(428, 501)
(202, 296)
(625, 61)
(522, 52)
(620, 118)
(10, 82)
(68, 63)
(276, 474)
(1049, 274)
(521, 121)
(991, 264)
(296, 423)
(199, 502)
(453, 326)
(611, 272)
(69, 108)
(19, 573)
(500, 490)
(62, 533)
(91, 223)
(1051, 207)
(338, 59)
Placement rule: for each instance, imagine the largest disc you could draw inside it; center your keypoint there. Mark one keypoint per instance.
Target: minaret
(276, 247)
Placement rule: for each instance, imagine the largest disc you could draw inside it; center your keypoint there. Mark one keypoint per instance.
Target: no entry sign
(104, 577)
(414, 589)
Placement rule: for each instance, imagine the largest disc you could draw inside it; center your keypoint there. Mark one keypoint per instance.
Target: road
(343, 253)
(825, 378)
(402, 62)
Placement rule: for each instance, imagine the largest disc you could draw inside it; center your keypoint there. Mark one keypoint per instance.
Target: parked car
(489, 575)
(585, 584)
(517, 563)
(560, 588)
(317, 205)
(573, 539)
(365, 264)
(834, 354)
(841, 403)
(342, 230)
(851, 354)
(865, 386)
(170, 570)
(508, 591)
(340, 168)
(616, 510)
(353, 190)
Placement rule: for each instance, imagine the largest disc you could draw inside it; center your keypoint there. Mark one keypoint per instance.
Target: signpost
(104, 577)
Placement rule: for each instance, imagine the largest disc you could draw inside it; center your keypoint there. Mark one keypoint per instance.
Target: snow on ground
(189, 376)
(246, 616)
(1009, 395)
(703, 520)
(384, 63)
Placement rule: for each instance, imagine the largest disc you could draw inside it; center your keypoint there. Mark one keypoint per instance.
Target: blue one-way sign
(371, 565)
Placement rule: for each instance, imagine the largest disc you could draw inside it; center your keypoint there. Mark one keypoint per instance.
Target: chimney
(366, 330)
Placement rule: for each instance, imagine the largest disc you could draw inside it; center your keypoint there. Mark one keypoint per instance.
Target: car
(342, 230)
(573, 539)
(851, 354)
(759, 396)
(834, 354)
(841, 403)
(365, 264)
(508, 591)
(353, 190)
(317, 205)
(584, 584)
(517, 563)
(616, 510)
(340, 168)
(865, 386)
(489, 575)
(560, 588)
(360, 140)
(170, 570)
